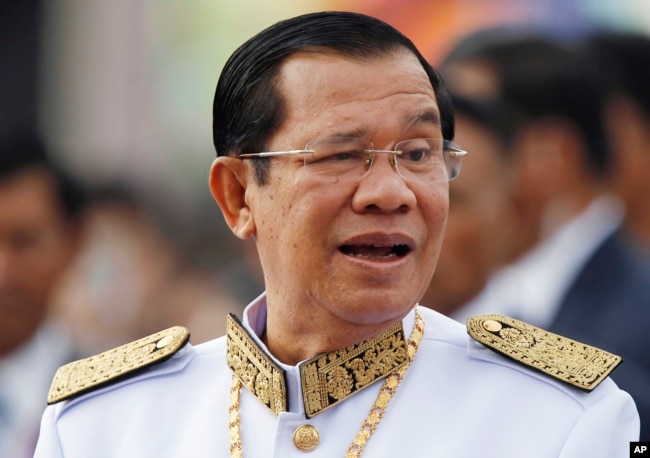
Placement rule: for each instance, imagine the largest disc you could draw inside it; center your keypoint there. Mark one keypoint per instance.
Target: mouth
(375, 251)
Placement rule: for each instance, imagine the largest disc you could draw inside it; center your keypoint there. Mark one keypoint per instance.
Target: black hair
(479, 111)
(556, 79)
(20, 153)
(623, 59)
(500, 44)
(248, 106)
(540, 76)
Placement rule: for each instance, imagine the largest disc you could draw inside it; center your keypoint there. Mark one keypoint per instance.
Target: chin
(376, 309)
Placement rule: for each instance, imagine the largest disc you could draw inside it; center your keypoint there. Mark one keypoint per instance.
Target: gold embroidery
(375, 415)
(256, 371)
(81, 376)
(326, 379)
(331, 378)
(580, 365)
(386, 393)
(233, 419)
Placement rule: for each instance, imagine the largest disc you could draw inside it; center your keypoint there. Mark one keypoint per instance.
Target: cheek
(45, 262)
(289, 220)
(435, 208)
(435, 213)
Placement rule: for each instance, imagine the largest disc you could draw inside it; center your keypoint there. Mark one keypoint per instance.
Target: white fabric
(531, 289)
(458, 399)
(25, 377)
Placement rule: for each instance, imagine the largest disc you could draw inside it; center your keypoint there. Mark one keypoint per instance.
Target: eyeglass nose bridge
(392, 159)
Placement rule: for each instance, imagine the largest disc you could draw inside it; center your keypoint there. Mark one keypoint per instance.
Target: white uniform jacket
(457, 399)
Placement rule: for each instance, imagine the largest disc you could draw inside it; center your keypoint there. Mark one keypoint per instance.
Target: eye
(338, 153)
(419, 154)
(343, 156)
(334, 160)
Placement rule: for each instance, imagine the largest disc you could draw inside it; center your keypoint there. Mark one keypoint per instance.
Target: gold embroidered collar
(326, 379)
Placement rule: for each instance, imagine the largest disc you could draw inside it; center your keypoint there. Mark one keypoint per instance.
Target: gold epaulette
(572, 362)
(88, 374)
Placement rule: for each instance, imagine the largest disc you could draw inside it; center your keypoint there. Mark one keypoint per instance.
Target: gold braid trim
(333, 377)
(386, 392)
(254, 369)
(575, 363)
(326, 379)
(233, 417)
(88, 374)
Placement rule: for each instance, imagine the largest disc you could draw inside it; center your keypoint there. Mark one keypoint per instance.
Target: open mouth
(371, 251)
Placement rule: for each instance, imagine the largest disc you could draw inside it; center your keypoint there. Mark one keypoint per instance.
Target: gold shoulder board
(572, 362)
(88, 374)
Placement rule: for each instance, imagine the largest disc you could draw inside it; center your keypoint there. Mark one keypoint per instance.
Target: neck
(560, 211)
(293, 340)
(637, 221)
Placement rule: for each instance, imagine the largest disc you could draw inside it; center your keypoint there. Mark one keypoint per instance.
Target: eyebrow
(426, 116)
(423, 117)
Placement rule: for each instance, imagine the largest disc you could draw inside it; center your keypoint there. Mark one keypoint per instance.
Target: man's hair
(482, 112)
(540, 76)
(248, 105)
(22, 153)
(623, 57)
(557, 80)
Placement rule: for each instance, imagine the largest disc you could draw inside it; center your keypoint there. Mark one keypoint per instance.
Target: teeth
(371, 251)
(368, 256)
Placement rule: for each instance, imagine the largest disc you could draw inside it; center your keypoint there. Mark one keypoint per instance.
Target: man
(623, 60)
(335, 358)
(582, 274)
(39, 235)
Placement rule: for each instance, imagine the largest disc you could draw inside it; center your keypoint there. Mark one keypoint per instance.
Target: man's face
(360, 251)
(35, 245)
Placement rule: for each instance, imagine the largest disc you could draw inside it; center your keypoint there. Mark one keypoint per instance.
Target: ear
(625, 124)
(228, 184)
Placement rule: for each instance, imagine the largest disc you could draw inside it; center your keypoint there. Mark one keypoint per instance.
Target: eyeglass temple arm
(456, 152)
(274, 153)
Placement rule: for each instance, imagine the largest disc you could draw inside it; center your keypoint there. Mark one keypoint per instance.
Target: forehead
(325, 92)
(28, 196)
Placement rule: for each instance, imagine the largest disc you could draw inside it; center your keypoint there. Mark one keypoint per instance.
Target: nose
(377, 155)
(383, 189)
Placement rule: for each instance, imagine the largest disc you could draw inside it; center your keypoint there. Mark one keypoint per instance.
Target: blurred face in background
(478, 228)
(474, 78)
(36, 243)
(629, 128)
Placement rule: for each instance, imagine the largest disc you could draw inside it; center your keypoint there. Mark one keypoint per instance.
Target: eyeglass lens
(349, 157)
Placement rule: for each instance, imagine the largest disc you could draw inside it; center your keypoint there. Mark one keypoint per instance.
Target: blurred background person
(132, 278)
(474, 65)
(623, 59)
(40, 229)
(147, 250)
(481, 234)
(582, 276)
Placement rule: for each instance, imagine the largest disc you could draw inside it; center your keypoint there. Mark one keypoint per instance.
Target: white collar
(531, 289)
(254, 321)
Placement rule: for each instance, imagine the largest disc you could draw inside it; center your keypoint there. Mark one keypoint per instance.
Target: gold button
(306, 438)
(164, 342)
(492, 326)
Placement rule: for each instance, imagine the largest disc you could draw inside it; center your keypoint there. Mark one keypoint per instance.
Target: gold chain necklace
(370, 423)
